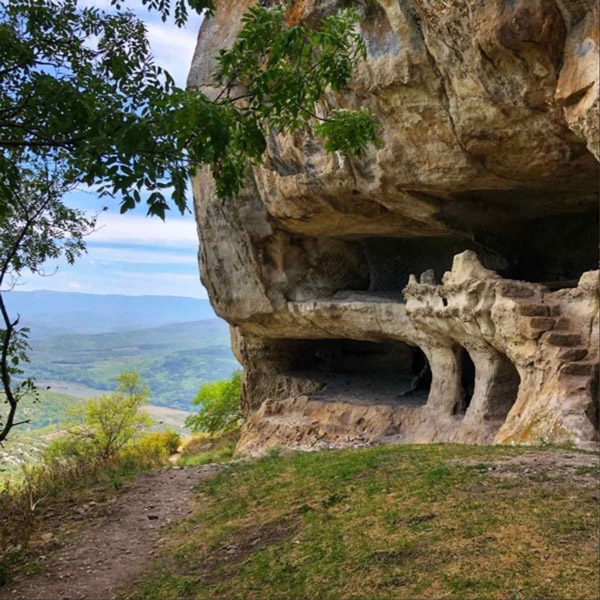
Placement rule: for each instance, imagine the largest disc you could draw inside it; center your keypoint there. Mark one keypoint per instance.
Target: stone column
(446, 389)
(496, 385)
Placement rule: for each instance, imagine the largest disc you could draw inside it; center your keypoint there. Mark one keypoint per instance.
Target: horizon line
(105, 294)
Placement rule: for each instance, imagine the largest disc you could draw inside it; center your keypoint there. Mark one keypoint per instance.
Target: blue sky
(133, 254)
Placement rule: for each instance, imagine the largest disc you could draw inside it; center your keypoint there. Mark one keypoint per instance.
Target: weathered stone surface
(577, 90)
(487, 180)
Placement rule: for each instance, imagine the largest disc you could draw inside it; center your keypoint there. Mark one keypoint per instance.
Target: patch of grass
(204, 449)
(593, 470)
(387, 522)
(208, 457)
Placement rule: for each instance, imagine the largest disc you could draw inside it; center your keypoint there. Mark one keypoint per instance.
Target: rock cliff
(443, 286)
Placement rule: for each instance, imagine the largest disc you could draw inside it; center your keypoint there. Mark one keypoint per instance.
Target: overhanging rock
(443, 287)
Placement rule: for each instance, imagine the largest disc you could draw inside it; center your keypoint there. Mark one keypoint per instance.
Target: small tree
(102, 427)
(35, 227)
(219, 403)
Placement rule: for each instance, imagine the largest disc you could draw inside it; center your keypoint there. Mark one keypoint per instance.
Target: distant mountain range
(54, 313)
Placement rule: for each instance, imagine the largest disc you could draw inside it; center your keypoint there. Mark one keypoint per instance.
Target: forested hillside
(174, 360)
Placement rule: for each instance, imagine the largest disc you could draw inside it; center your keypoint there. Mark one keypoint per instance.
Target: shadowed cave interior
(362, 372)
(388, 372)
(553, 250)
(467, 380)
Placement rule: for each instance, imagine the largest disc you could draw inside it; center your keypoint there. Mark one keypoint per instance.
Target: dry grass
(56, 487)
(403, 522)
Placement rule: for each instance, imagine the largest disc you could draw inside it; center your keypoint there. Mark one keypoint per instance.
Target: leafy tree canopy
(219, 404)
(79, 86)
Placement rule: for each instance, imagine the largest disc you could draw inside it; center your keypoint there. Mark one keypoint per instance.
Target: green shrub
(198, 443)
(102, 427)
(156, 446)
(172, 440)
(219, 403)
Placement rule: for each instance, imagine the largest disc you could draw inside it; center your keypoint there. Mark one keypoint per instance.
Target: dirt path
(117, 544)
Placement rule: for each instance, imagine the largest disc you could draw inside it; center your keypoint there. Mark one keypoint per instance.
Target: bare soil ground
(561, 465)
(363, 389)
(117, 542)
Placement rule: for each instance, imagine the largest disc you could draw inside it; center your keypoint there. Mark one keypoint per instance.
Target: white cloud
(140, 256)
(119, 282)
(173, 48)
(145, 231)
(179, 277)
(103, 4)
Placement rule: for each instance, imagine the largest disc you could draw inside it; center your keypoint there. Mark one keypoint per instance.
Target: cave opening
(552, 250)
(360, 371)
(391, 261)
(420, 372)
(503, 389)
(467, 381)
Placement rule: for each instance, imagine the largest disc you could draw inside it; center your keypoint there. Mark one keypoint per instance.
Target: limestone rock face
(443, 286)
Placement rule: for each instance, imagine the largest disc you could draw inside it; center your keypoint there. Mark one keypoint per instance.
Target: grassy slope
(386, 522)
(50, 409)
(174, 360)
(26, 441)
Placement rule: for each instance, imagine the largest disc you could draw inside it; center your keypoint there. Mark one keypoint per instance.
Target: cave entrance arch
(420, 372)
(487, 394)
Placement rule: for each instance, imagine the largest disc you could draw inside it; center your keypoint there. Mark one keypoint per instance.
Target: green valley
(174, 360)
